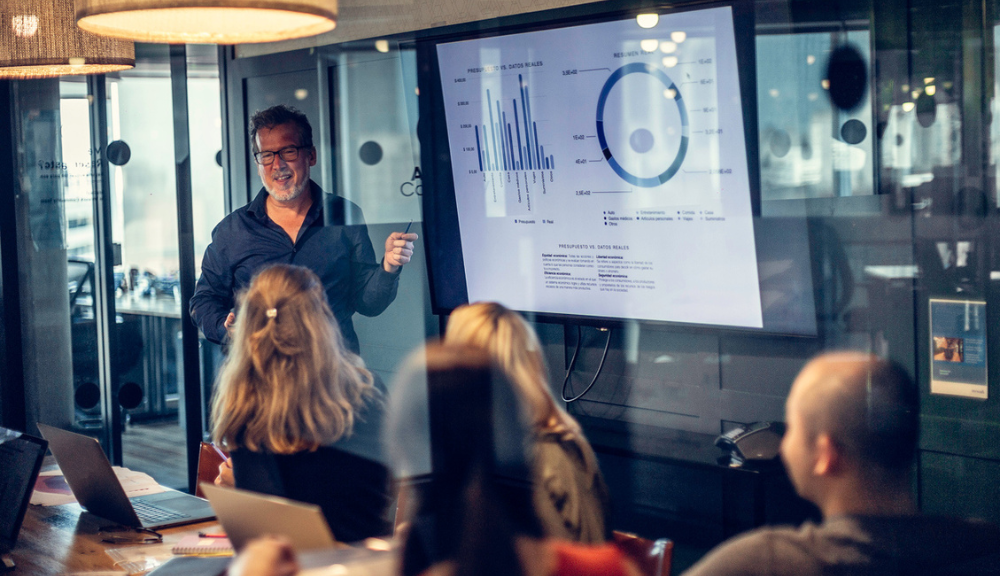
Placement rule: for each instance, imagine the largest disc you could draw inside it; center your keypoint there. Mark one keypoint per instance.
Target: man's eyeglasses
(289, 154)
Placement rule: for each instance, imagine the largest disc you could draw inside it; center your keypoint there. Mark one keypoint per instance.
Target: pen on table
(408, 227)
(210, 535)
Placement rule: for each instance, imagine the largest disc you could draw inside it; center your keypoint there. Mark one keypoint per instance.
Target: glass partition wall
(66, 384)
(144, 185)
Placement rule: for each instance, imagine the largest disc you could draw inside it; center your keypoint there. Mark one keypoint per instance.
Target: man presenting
(285, 223)
(853, 422)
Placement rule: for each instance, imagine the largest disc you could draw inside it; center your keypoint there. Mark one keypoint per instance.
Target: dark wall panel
(960, 486)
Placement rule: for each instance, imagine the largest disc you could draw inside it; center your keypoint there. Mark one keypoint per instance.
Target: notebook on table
(89, 475)
(20, 460)
(199, 545)
(247, 515)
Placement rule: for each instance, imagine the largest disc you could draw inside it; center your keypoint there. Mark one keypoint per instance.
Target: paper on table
(140, 559)
(137, 483)
(51, 488)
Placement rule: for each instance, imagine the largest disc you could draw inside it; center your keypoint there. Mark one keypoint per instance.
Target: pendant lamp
(207, 21)
(39, 38)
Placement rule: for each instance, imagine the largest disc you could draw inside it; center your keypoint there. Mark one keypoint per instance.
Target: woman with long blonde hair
(300, 413)
(570, 495)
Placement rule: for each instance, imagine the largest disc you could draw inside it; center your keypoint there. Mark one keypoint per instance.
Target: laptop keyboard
(153, 514)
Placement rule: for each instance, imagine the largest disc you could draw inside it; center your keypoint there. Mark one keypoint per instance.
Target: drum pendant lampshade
(207, 21)
(39, 38)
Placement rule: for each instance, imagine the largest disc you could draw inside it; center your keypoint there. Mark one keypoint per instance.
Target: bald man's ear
(828, 458)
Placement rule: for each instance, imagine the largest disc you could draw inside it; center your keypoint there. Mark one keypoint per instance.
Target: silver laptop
(93, 482)
(247, 515)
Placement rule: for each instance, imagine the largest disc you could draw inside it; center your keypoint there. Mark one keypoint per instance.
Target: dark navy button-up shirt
(340, 253)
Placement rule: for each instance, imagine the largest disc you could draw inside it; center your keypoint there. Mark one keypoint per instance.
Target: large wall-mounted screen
(600, 171)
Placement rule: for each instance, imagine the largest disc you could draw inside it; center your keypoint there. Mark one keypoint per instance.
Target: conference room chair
(209, 460)
(652, 557)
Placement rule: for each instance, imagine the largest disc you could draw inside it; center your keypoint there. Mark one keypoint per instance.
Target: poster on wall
(958, 348)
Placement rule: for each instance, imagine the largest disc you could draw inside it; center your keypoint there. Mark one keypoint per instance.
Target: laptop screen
(20, 459)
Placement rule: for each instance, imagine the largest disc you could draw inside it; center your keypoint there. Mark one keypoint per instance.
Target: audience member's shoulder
(942, 531)
(978, 526)
(968, 546)
(764, 551)
(912, 545)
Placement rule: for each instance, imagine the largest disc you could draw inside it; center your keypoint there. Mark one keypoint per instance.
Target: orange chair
(402, 501)
(651, 557)
(209, 460)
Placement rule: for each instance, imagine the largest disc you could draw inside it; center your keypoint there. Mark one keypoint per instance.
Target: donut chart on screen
(669, 87)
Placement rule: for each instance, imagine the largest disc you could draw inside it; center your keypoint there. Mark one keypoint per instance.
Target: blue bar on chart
(478, 149)
(486, 150)
(494, 134)
(520, 150)
(512, 150)
(501, 120)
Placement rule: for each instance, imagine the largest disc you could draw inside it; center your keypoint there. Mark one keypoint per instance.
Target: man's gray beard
(295, 193)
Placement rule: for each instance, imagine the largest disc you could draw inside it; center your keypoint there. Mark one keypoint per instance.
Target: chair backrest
(209, 460)
(651, 557)
(405, 500)
(402, 501)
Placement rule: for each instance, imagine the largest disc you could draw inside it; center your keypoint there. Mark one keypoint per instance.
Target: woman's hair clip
(272, 313)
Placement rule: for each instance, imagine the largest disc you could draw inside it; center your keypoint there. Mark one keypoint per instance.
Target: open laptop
(93, 482)
(247, 515)
(20, 460)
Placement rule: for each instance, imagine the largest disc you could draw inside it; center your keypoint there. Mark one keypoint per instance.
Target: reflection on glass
(994, 103)
(207, 196)
(79, 239)
(144, 224)
(803, 153)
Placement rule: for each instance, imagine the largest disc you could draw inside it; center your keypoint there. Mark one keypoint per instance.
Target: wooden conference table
(57, 540)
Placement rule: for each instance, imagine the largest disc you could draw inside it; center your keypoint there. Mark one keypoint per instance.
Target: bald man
(853, 422)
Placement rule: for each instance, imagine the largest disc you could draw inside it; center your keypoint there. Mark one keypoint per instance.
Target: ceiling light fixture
(207, 21)
(647, 20)
(39, 39)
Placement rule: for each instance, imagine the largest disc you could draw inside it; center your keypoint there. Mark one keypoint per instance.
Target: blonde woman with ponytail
(299, 412)
(571, 498)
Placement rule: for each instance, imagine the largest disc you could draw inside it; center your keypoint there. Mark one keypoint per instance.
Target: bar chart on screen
(515, 146)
